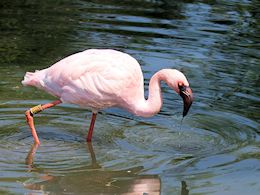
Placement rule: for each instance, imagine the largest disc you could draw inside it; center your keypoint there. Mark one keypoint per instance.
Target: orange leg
(91, 127)
(34, 110)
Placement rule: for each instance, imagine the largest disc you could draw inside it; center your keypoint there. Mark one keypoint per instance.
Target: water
(215, 151)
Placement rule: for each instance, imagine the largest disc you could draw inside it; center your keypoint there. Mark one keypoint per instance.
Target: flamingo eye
(180, 86)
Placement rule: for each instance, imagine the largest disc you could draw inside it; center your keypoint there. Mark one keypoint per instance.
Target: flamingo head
(178, 82)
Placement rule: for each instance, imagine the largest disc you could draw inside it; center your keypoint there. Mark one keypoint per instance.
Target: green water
(215, 151)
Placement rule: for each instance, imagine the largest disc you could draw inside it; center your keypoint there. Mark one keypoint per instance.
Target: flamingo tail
(33, 79)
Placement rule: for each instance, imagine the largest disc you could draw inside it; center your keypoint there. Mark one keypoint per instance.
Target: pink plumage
(101, 78)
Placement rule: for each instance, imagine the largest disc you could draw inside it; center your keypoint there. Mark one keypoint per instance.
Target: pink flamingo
(102, 78)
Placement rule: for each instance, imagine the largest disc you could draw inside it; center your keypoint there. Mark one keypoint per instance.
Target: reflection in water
(93, 179)
(184, 190)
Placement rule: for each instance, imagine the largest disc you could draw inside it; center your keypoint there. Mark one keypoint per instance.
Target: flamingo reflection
(94, 179)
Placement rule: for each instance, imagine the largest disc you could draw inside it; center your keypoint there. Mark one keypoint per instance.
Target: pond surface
(216, 150)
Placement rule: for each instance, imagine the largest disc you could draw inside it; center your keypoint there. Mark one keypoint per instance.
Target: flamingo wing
(95, 78)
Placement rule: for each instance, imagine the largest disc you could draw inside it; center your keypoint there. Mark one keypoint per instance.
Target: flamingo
(102, 78)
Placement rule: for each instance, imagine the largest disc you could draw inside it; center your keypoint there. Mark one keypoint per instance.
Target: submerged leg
(34, 110)
(91, 127)
(30, 156)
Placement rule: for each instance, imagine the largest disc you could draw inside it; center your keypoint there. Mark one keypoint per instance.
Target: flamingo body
(93, 79)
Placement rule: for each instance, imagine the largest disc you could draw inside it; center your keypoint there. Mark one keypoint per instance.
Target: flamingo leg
(91, 127)
(34, 110)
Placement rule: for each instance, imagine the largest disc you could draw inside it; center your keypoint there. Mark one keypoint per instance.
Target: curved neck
(153, 104)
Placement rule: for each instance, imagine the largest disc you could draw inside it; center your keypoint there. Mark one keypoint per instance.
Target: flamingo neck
(153, 104)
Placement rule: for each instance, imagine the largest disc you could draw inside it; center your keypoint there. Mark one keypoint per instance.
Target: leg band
(36, 109)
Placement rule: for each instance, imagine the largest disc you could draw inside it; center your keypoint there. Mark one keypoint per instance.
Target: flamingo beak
(186, 94)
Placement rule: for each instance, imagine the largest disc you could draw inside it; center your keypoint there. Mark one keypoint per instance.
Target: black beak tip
(186, 94)
(186, 108)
